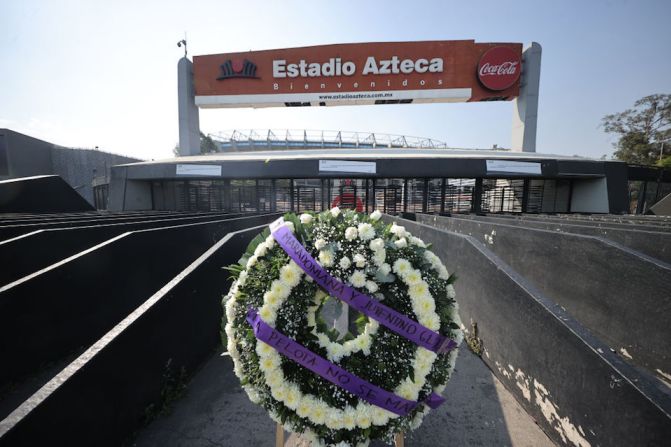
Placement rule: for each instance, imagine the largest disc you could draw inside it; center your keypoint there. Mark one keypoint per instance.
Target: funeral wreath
(342, 327)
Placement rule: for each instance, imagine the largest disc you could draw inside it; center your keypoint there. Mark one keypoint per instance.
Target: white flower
(359, 260)
(306, 219)
(379, 257)
(320, 243)
(289, 276)
(442, 272)
(335, 211)
(350, 233)
(290, 226)
(375, 215)
(401, 243)
(402, 267)
(385, 269)
(419, 290)
(450, 291)
(326, 258)
(261, 250)
(344, 262)
(417, 241)
(366, 231)
(398, 230)
(413, 277)
(358, 278)
(281, 289)
(371, 286)
(376, 244)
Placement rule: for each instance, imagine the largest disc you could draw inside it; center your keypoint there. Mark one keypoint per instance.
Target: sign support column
(525, 106)
(189, 121)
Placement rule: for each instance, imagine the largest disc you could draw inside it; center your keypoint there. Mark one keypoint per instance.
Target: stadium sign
(365, 73)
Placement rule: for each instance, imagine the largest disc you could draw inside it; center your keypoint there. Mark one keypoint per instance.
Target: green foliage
(207, 144)
(644, 132)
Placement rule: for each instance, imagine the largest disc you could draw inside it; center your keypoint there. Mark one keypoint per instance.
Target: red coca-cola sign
(499, 68)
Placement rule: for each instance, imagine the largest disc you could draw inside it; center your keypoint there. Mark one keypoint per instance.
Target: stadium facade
(394, 180)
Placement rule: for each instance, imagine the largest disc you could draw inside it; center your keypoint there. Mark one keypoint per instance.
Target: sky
(104, 73)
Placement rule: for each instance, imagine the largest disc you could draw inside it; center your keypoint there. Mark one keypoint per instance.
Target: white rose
(385, 269)
(360, 260)
(326, 258)
(398, 230)
(335, 211)
(306, 219)
(375, 215)
(376, 244)
(401, 243)
(320, 243)
(358, 278)
(351, 233)
(417, 241)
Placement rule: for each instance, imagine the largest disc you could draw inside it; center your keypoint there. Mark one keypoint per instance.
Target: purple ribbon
(369, 306)
(332, 372)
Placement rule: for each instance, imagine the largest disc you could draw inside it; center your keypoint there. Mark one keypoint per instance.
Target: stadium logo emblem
(237, 68)
(499, 68)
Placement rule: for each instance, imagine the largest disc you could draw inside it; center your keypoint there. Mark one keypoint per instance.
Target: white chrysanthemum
(366, 231)
(306, 219)
(402, 267)
(419, 290)
(450, 291)
(442, 273)
(270, 242)
(272, 299)
(317, 415)
(358, 278)
(268, 315)
(359, 260)
(326, 258)
(281, 289)
(351, 233)
(401, 243)
(251, 262)
(424, 305)
(290, 276)
(335, 211)
(349, 418)
(345, 262)
(371, 286)
(376, 244)
(413, 277)
(242, 278)
(431, 321)
(375, 215)
(320, 243)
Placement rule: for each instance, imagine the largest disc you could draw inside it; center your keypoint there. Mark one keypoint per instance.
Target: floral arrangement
(348, 385)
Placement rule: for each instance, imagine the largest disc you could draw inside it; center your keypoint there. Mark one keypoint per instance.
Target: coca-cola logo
(499, 68)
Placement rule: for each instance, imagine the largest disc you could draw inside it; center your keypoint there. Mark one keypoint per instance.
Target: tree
(207, 144)
(644, 130)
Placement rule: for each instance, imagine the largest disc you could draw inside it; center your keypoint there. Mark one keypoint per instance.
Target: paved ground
(216, 412)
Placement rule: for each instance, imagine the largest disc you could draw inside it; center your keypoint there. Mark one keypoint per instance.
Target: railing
(315, 139)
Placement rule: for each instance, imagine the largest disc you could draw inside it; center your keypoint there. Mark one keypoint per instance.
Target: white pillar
(189, 121)
(525, 106)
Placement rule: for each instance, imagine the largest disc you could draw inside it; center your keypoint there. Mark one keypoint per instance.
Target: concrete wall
(27, 156)
(569, 381)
